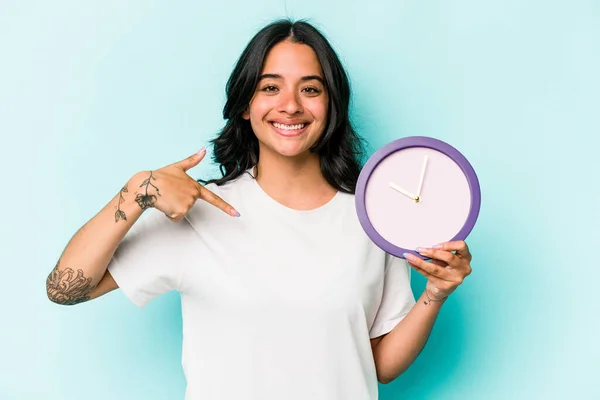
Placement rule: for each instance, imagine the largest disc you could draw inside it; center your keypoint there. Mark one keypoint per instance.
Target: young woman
(290, 299)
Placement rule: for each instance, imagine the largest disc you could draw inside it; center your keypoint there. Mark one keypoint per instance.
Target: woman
(291, 300)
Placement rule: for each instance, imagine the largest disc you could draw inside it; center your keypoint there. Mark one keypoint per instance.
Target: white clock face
(417, 197)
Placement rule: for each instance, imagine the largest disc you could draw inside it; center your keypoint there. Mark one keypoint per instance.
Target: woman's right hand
(172, 191)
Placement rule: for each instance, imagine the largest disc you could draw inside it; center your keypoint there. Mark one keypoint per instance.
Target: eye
(311, 90)
(269, 89)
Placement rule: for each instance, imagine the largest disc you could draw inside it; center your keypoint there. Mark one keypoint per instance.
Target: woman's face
(288, 111)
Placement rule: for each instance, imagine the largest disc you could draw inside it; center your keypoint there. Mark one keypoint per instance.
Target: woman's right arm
(81, 272)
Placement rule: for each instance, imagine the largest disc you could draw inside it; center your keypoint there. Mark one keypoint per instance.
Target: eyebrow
(303, 79)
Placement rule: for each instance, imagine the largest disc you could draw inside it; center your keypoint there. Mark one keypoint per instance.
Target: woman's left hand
(446, 270)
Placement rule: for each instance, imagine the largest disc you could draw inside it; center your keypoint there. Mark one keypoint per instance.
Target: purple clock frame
(404, 143)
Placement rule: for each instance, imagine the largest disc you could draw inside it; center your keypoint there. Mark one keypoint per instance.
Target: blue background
(92, 92)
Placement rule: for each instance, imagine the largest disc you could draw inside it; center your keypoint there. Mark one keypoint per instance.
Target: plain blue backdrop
(92, 92)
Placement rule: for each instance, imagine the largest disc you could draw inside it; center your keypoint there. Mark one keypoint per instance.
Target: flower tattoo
(65, 288)
(120, 214)
(147, 200)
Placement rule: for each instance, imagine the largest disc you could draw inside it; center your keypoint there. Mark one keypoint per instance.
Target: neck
(296, 182)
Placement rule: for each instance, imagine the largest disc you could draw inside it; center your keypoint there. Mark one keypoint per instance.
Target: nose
(290, 102)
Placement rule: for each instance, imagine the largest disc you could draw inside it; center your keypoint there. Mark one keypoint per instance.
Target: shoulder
(347, 216)
(346, 202)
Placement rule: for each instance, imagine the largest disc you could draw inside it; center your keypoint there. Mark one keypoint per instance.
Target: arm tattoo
(147, 200)
(64, 288)
(119, 214)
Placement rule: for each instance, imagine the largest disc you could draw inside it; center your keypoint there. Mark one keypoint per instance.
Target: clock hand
(404, 192)
(422, 176)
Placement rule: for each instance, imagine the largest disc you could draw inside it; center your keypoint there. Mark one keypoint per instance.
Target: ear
(246, 114)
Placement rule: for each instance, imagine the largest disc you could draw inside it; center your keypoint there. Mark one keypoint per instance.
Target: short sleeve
(151, 258)
(397, 299)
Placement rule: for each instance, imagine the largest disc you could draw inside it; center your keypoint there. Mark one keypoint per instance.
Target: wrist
(124, 206)
(434, 298)
(138, 178)
(135, 196)
(143, 192)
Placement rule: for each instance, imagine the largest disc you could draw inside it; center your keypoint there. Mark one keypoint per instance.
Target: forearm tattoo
(64, 288)
(120, 214)
(147, 200)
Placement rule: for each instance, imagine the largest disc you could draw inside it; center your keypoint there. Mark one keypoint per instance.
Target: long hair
(340, 149)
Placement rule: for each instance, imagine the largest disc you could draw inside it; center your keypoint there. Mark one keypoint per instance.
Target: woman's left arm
(450, 264)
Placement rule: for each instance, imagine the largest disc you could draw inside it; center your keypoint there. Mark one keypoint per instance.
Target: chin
(289, 151)
(293, 152)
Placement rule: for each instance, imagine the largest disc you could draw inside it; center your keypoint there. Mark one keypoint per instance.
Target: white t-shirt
(277, 304)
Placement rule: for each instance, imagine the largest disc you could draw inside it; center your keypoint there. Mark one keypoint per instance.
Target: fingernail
(202, 150)
(234, 213)
(422, 250)
(437, 246)
(408, 256)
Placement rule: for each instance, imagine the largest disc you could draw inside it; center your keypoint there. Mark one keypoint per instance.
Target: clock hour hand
(404, 192)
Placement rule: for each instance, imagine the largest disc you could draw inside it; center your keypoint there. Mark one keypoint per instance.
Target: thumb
(193, 160)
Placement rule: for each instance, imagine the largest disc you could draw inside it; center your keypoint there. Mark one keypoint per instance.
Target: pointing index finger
(216, 201)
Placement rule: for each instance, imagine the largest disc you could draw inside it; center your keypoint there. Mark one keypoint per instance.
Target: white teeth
(288, 127)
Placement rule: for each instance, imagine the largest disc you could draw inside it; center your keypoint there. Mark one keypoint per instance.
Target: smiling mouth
(289, 130)
(288, 127)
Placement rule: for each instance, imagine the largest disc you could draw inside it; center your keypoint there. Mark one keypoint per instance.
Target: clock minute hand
(403, 191)
(422, 177)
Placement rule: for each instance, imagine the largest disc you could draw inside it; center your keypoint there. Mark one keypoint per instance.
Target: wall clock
(416, 192)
